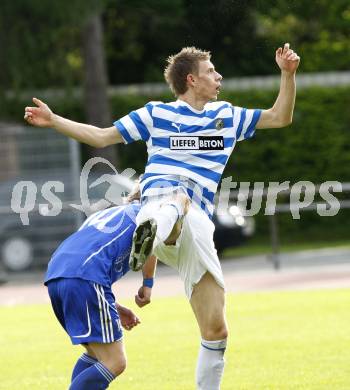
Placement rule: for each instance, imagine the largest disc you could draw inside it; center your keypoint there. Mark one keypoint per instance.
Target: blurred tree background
(41, 40)
(60, 45)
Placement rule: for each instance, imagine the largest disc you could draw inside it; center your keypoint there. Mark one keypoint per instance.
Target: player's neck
(195, 102)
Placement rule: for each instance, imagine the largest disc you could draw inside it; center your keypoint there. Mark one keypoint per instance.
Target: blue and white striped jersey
(99, 251)
(187, 147)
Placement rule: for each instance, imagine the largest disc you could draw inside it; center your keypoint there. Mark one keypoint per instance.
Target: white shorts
(194, 253)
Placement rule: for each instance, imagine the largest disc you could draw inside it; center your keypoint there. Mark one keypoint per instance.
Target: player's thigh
(208, 304)
(111, 355)
(197, 253)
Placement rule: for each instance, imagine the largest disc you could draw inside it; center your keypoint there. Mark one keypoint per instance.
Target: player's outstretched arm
(144, 293)
(42, 116)
(281, 114)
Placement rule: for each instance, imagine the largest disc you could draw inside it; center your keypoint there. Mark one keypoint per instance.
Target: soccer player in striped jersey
(189, 142)
(79, 278)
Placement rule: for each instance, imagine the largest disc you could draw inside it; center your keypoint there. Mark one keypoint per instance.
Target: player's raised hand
(287, 59)
(40, 116)
(143, 296)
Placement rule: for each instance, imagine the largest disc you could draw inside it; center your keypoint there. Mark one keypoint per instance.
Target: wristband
(148, 282)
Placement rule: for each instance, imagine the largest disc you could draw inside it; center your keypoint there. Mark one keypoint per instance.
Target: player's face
(208, 81)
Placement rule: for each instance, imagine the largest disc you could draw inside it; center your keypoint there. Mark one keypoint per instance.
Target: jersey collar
(183, 103)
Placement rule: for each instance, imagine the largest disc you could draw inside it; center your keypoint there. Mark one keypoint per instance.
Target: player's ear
(191, 80)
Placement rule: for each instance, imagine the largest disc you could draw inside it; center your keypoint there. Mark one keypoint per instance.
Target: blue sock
(96, 377)
(85, 361)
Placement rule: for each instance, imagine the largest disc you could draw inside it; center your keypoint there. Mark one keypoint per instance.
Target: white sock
(166, 217)
(210, 365)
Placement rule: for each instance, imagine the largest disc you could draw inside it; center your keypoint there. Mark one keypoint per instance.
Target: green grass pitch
(278, 340)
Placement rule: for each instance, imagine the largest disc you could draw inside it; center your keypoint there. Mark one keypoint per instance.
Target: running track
(326, 268)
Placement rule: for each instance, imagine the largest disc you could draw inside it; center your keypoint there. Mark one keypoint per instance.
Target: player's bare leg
(89, 351)
(208, 304)
(111, 355)
(110, 362)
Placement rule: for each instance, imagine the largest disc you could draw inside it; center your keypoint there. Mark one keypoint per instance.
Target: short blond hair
(182, 64)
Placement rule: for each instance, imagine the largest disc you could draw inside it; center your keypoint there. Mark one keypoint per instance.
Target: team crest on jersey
(196, 143)
(219, 124)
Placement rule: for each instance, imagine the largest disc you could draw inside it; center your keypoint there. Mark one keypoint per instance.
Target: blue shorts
(86, 310)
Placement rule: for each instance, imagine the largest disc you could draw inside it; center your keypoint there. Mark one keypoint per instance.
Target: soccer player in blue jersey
(79, 279)
(189, 142)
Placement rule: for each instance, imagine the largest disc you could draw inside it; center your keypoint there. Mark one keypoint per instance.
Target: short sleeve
(244, 121)
(136, 125)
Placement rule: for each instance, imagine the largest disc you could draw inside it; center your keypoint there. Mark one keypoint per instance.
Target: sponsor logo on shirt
(197, 143)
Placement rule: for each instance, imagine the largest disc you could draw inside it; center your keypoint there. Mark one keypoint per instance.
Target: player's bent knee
(111, 355)
(223, 334)
(215, 333)
(115, 366)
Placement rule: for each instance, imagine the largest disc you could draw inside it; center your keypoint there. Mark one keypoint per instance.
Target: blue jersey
(187, 147)
(99, 251)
